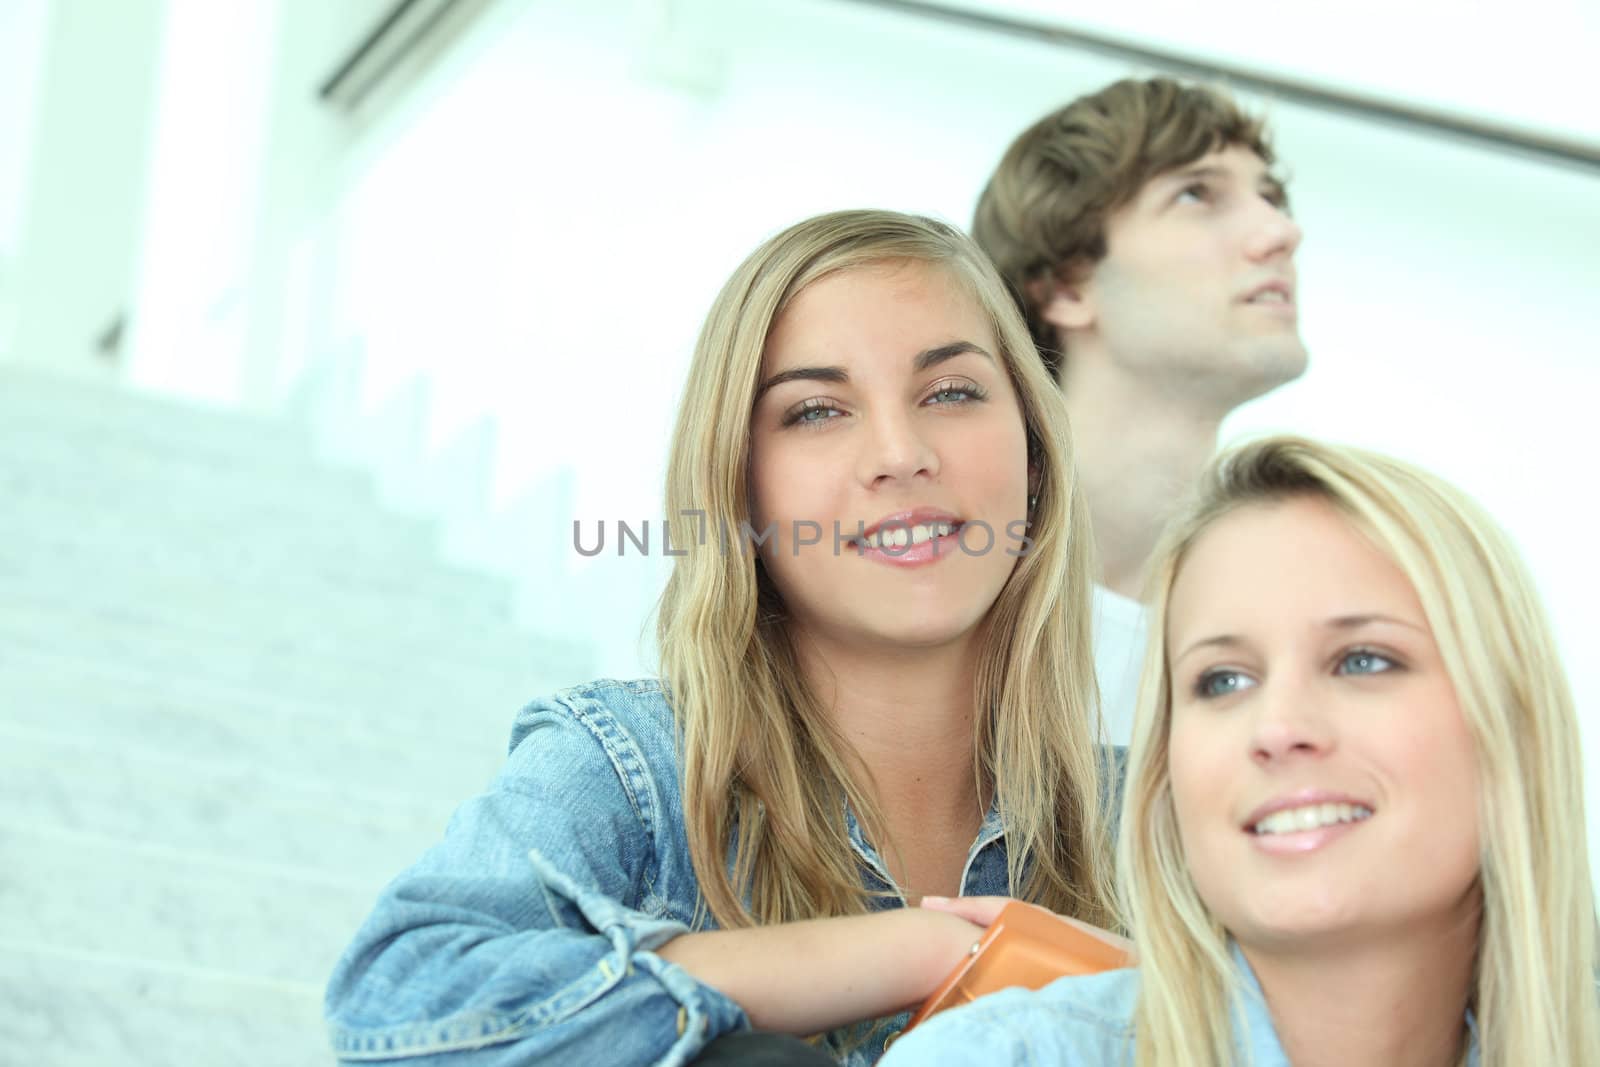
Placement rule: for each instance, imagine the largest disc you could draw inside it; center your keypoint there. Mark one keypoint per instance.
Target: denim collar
(991, 830)
(1259, 1035)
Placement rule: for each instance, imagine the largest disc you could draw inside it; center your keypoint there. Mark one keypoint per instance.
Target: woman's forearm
(811, 976)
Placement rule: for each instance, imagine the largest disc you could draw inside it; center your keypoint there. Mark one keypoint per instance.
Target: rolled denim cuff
(595, 993)
(704, 1013)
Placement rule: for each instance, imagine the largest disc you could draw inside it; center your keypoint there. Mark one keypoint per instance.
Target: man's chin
(1296, 362)
(1267, 366)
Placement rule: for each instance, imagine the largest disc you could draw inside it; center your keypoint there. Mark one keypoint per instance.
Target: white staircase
(236, 696)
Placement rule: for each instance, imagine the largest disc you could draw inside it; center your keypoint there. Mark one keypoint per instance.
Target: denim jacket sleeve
(527, 934)
(1083, 1021)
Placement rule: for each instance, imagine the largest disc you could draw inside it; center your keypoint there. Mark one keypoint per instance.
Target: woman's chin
(1304, 926)
(911, 634)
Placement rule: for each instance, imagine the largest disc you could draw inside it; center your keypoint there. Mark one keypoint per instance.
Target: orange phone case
(1025, 946)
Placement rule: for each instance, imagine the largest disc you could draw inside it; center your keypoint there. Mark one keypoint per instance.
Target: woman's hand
(982, 911)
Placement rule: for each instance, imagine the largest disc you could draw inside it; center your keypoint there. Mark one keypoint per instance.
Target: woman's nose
(895, 450)
(1289, 721)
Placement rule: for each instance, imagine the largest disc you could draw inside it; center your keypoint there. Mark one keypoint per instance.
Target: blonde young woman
(1354, 826)
(877, 684)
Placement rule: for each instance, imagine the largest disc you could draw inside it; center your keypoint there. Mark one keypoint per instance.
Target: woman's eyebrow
(1338, 622)
(930, 358)
(935, 356)
(1219, 641)
(794, 374)
(1351, 622)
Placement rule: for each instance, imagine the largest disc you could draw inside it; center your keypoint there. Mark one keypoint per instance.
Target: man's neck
(1390, 1003)
(1138, 456)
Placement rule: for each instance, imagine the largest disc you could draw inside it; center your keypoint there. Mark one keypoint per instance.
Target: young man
(1150, 248)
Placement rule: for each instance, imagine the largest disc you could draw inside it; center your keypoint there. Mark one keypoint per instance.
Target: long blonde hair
(1534, 995)
(765, 775)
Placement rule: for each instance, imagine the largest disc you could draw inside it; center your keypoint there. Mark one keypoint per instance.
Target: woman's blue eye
(812, 413)
(1221, 683)
(1365, 661)
(956, 394)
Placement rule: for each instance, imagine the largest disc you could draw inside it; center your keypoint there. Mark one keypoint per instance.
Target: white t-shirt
(1120, 631)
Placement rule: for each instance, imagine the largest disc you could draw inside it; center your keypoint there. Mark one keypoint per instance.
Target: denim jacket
(1080, 1022)
(527, 935)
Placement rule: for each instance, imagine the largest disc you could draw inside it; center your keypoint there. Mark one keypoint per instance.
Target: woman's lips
(915, 555)
(1302, 841)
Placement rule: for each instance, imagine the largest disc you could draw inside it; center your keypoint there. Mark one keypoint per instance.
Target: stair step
(364, 538)
(365, 622)
(75, 410)
(66, 685)
(299, 664)
(89, 893)
(252, 804)
(67, 1008)
(361, 553)
(209, 723)
(272, 457)
(295, 560)
(165, 493)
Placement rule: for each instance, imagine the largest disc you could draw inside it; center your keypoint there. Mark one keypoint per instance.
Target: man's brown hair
(1043, 214)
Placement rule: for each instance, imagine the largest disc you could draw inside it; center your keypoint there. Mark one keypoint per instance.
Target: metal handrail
(1545, 147)
(389, 40)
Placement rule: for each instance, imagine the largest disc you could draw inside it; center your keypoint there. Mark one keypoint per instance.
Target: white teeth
(901, 537)
(1311, 817)
(1270, 296)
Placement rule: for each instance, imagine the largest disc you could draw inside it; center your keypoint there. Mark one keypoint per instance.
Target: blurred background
(321, 321)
